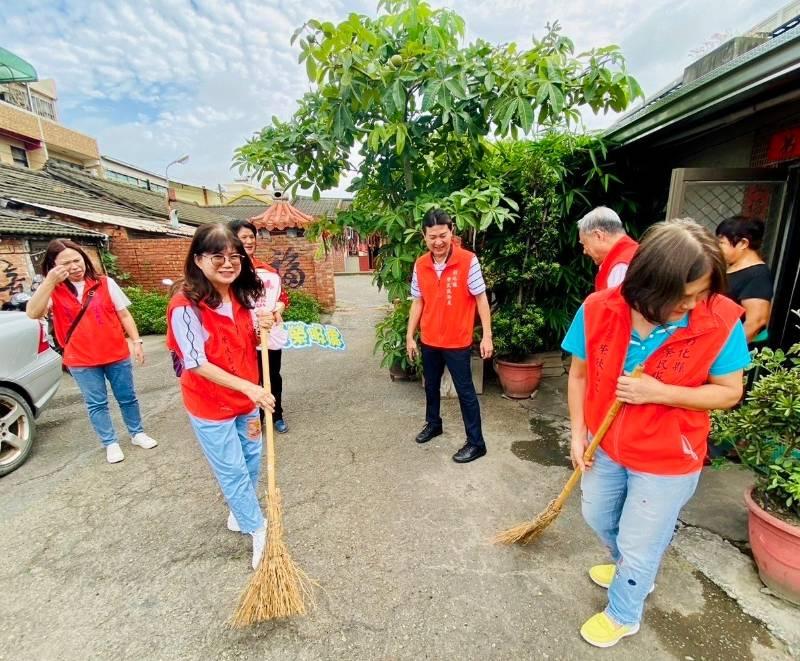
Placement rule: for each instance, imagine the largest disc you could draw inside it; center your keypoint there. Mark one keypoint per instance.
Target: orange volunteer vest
(231, 346)
(99, 338)
(653, 438)
(448, 313)
(622, 253)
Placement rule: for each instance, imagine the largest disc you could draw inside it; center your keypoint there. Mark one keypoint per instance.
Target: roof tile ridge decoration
(84, 181)
(685, 88)
(280, 215)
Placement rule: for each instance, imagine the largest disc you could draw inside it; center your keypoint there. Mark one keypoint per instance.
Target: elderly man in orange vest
(603, 237)
(448, 288)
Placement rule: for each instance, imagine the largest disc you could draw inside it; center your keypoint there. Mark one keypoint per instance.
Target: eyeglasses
(218, 259)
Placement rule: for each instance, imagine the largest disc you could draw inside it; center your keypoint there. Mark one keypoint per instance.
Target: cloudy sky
(155, 79)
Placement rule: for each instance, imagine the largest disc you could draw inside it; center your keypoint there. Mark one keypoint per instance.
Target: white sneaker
(144, 441)
(233, 524)
(259, 542)
(114, 453)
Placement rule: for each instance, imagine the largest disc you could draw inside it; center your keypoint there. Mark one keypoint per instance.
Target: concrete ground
(133, 561)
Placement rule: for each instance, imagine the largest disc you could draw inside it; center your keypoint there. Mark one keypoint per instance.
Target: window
(19, 156)
(134, 181)
(44, 107)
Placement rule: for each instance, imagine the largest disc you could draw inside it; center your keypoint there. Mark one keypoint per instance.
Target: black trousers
(275, 380)
(458, 362)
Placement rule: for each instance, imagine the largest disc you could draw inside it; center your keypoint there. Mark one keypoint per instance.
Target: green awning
(13, 69)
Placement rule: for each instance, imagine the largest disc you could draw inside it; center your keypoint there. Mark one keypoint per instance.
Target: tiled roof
(323, 207)
(239, 211)
(20, 223)
(39, 187)
(280, 215)
(139, 224)
(148, 202)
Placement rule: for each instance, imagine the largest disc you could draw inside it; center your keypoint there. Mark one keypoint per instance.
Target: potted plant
(516, 333)
(391, 341)
(765, 433)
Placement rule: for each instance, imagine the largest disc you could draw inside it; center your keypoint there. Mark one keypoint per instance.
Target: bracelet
(138, 341)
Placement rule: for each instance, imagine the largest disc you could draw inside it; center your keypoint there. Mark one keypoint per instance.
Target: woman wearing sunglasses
(210, 329)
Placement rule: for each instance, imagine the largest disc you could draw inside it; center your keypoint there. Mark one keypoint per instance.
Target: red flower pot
(519, 380)
(776, 548)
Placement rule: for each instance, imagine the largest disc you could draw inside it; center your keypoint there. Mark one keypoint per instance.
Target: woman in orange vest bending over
(210, 328)
(668, 316)
(91, 320)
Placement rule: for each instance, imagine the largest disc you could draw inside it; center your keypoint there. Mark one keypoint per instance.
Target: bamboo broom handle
(598, 438)
(267, 432)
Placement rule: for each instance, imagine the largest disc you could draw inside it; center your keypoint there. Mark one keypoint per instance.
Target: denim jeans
(233, 450)
(92, 384)
(634, 515)
(458, 362)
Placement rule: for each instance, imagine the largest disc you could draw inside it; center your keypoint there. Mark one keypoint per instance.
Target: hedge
(149, 309)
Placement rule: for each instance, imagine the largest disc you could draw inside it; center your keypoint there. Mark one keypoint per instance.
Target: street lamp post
(180, 160)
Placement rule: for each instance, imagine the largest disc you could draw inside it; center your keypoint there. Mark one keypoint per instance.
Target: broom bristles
(525, 533)
(278, 587)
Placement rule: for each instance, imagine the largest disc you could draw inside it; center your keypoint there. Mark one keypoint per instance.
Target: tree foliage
(403, 103)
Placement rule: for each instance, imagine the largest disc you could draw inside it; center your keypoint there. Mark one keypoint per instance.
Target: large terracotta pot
(519, 380)
(776, 548)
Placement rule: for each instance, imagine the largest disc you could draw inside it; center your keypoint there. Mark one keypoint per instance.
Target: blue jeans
(458, 362)
(233, 450)
(92, 384)
(634, 515)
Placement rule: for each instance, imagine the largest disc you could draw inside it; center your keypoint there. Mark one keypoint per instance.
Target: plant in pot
(765, 433)
(516, 333)
(391, 341)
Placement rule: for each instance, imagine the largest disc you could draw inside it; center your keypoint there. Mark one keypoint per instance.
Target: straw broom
(525, 533)
(278, 588)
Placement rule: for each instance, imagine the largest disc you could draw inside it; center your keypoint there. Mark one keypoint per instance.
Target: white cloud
(155, 79)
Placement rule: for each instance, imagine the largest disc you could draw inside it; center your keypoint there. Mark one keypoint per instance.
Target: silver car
(30, 372)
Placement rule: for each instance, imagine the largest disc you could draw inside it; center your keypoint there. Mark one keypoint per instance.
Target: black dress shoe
(428, 432)
(469, 453)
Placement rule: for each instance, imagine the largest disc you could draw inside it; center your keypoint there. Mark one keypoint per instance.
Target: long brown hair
(671, 254)
(55, 248)
(216, 238)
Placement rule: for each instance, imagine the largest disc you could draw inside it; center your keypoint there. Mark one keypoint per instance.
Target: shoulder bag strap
(84, 307)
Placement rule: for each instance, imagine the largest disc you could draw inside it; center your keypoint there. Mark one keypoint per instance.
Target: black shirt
(750, 282)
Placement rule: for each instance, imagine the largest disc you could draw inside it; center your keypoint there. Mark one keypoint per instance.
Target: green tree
(400, 100)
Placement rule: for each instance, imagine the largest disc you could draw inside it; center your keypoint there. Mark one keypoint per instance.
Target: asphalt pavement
(133, 560)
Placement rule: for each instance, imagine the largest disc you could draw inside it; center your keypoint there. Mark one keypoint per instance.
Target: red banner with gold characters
(784, 145)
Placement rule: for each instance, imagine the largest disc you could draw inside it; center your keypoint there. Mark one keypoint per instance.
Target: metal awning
(13, 69)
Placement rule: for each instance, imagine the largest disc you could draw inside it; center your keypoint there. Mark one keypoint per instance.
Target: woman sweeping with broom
(668, 317)
(210, 330)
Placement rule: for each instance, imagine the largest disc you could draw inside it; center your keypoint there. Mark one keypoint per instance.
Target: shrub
(517, 331)
(765, 430)
(390, 334)
(302, 307)
(149, 310)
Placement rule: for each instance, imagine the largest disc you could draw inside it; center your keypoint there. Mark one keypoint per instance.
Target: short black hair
(436, 217)
(236, 225)
(737, 228)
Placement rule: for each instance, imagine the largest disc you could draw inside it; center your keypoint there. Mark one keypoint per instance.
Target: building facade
(31, 133)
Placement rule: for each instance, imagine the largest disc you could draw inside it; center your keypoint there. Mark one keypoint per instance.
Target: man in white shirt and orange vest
(603, 237)
(447, 288)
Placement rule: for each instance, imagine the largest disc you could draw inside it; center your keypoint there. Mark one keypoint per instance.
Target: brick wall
(14, 266)
(300, 268)
(149, 259)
